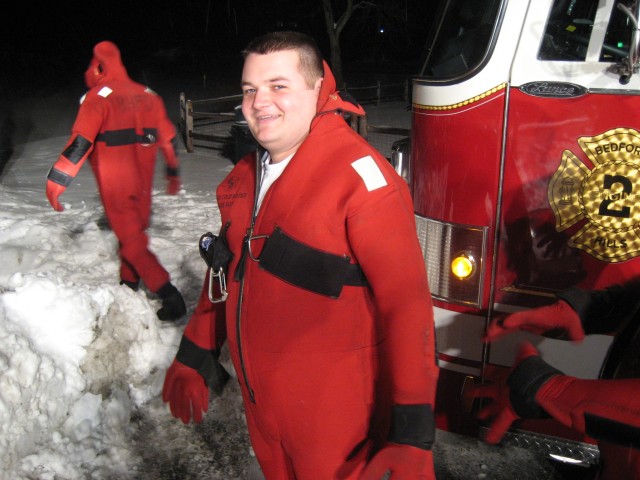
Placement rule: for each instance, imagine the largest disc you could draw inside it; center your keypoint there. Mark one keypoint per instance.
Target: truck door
(525, 168)
(567, 213)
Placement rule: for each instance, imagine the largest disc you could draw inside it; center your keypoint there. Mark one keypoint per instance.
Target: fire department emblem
(601, 200)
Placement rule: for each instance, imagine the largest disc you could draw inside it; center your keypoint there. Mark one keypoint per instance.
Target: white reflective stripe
(105, 92)
(82, 98)
(370, 172)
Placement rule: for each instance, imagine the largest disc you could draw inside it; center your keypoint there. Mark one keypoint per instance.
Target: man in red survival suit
(119, 127)
(328, 317)
(607, 410)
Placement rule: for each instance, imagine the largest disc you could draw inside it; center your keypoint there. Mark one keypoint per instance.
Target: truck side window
(462, 38)
(568, 30)
(618, 36)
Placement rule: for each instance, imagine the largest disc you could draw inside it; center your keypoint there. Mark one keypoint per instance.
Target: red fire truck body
(524, 166)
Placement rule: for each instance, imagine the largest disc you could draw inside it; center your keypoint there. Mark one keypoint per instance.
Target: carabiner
(222, 283)
(249, 239)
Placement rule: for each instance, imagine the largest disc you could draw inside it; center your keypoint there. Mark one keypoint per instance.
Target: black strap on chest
(309, 268)
(128, 136)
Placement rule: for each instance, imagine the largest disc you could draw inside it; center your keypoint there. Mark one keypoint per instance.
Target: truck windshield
(462, 35)
(461, 38)
(569, 30)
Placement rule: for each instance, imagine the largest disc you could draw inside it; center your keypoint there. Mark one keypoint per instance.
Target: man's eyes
(252, 91)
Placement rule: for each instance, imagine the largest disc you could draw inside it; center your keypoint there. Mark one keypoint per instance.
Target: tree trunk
(334, 29)
(336, 62)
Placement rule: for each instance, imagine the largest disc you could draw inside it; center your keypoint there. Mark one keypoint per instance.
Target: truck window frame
(569, 33)
(462, 39)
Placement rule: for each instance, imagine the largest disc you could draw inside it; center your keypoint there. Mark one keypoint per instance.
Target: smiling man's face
(278, 102)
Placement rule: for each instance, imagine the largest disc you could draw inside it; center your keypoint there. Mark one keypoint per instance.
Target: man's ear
(318, 85)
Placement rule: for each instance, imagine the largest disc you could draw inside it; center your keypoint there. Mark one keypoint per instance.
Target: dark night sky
(48, 45)
(51, 42)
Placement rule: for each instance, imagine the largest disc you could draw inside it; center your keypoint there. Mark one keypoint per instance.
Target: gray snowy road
(219, 448)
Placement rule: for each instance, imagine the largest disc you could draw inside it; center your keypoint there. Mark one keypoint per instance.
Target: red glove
(173, 180)
(607, 410)
(186, 392)
(402, 461)
(515, 397)
(173, 185)
(54, 190)
(557, 316)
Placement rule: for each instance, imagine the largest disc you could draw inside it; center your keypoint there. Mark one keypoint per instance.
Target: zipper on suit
(240, 271)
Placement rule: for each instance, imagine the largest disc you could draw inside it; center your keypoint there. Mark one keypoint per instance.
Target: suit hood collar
(331, 100)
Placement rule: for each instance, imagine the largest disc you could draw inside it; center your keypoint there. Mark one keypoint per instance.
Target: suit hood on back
(330, 100)
(105, 65)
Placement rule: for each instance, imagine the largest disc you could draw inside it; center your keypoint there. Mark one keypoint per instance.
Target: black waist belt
(309, 268)
(128, 136)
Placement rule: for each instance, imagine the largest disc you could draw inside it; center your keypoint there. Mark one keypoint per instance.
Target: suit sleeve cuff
(205, 362)
(413, 425)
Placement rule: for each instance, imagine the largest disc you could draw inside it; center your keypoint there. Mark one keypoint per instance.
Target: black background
(48, 45)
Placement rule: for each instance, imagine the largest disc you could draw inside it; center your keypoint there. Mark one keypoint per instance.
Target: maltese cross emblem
(601, 199)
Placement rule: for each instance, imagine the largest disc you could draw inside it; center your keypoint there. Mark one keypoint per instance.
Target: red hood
(107, 55)
(330, 100)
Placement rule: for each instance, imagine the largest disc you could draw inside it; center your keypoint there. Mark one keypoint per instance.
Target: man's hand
(174, 183)
(514, 398)
(404, 462)
(54, 190)
(499, 411)
(186, 392)
(543, 320)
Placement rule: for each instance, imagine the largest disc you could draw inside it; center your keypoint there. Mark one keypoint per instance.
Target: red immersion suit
(119, 127)
(319, 373)
(606, 409)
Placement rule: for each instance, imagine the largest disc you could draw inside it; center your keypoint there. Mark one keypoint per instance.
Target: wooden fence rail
(215, 121)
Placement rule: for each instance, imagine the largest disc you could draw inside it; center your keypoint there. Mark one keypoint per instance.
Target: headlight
(453, 256)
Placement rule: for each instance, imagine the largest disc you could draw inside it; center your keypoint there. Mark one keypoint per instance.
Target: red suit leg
(312, 422)
(126, 196)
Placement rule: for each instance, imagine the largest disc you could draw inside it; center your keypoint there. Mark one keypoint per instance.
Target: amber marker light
(463, 266)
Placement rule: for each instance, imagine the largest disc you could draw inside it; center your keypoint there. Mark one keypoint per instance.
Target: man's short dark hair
(309, 53)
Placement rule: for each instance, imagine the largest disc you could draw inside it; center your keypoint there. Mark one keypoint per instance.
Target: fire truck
(524, 167)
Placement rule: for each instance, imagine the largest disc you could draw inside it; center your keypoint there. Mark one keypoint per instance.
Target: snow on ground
(83, 359)
(81, 355)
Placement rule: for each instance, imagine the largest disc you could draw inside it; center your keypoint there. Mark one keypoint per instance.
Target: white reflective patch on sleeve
(105, 92)
(369, 172)
(82, 98)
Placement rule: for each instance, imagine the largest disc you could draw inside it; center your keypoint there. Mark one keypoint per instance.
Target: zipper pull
(239, 273)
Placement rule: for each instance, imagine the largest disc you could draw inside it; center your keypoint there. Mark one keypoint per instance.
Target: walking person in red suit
(119, 127)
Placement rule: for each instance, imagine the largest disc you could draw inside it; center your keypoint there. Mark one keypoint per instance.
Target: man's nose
(262, 97)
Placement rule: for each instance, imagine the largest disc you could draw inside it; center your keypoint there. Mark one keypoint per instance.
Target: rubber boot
(173, 306)
(132, 285)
